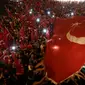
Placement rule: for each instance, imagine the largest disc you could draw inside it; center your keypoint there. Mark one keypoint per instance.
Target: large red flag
(65, 52)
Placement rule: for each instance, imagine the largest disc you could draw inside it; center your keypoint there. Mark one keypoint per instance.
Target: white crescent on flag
(71, 38)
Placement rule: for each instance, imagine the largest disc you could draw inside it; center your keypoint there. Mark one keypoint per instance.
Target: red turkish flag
(65, 52)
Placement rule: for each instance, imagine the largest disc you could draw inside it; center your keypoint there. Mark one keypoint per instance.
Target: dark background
(2, 4)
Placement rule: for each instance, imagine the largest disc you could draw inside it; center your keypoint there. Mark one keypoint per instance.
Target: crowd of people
(21, 66)
(22, 63)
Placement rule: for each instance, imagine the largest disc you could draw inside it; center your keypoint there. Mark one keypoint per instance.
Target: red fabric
(29, 46)
(78, 31)
(23, 46)
(19, 68)
(1, 36)
(22, 33)
(6, 37)
(63, 58)
(62, 25)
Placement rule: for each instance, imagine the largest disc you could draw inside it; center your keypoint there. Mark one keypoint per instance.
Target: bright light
(31, 11)
(38, 20)
(48, 12)
(72, 13)
(56, 47)
(13, 47)
(70, 0)
(44, 30)
(53, 16)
